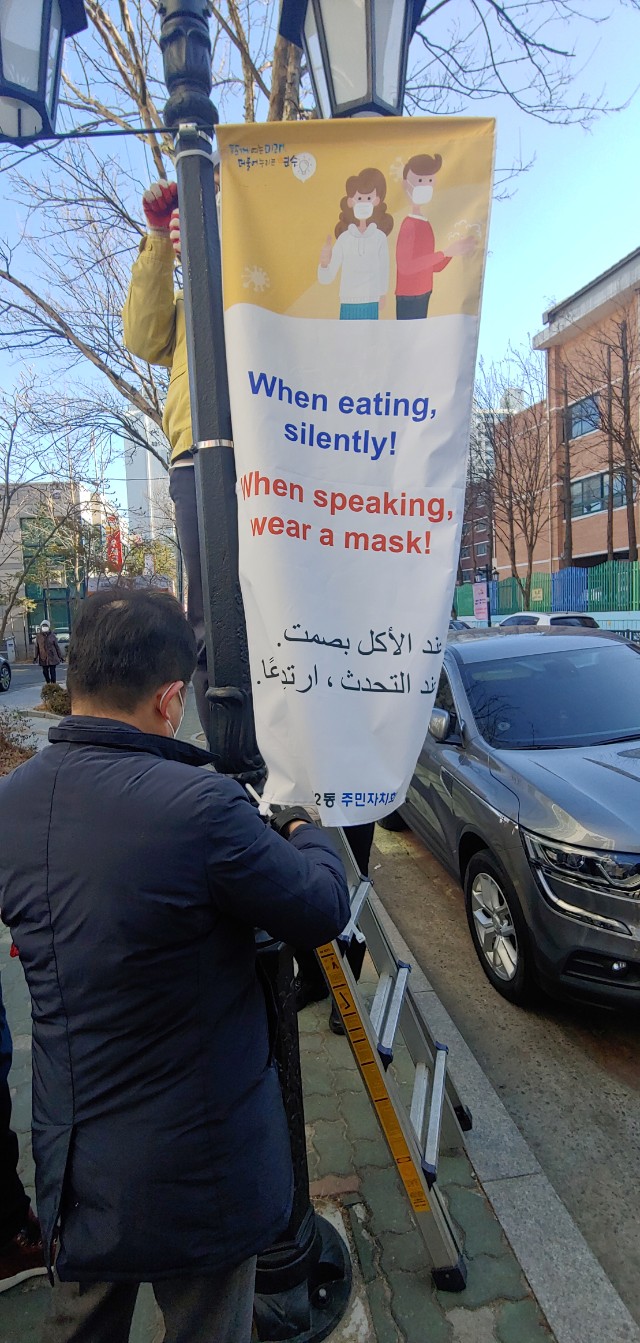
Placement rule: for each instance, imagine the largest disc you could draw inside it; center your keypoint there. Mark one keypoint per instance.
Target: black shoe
(335, 1022)
(308, 993)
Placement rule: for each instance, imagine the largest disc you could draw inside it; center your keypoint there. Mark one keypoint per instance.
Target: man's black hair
(124, 645)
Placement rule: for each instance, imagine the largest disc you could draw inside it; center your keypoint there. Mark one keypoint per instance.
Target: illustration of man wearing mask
(361, 250)
(416, 257)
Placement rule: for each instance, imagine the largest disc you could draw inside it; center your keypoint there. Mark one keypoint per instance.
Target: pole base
(309, 1310)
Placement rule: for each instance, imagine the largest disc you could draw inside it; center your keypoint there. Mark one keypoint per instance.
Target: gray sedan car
(528, 790)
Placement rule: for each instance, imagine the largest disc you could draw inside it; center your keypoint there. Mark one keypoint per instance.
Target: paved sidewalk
(350, 1167)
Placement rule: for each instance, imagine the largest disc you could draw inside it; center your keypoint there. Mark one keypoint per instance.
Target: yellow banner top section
(319, 215)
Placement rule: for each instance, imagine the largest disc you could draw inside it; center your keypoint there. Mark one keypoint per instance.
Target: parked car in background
(528, 789)
(546, 618)
(5, 673)
(63, 639)
(458, 625)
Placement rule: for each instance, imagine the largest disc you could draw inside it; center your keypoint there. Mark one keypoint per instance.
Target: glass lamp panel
(20, 37)
(345, 31)
(55, 38)
(18, 119)
(314, 58)
(389, 26)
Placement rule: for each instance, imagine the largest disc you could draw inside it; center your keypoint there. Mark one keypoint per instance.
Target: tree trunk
(609, 458)
(567, 553)
(627, 445)
(284, 101)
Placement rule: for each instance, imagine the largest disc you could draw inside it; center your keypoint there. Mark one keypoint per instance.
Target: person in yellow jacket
(154, 330)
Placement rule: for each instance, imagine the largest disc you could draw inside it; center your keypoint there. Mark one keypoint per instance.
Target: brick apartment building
(587, 433)
(593, 379)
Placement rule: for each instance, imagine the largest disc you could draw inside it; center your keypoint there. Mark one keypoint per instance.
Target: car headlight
(607, 870)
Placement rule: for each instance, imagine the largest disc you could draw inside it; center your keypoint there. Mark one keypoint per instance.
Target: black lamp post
(303, 1282)
(32, 34)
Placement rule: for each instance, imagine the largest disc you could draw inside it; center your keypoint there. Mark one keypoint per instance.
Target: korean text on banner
(353, 257)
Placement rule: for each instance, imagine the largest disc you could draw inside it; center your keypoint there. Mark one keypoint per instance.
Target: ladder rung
(388, 1033)
(380, 1000)
(361, 895)
(430, 1159)
(419, 1101)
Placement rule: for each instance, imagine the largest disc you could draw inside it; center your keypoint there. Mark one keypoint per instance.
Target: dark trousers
(409, 306)
(217, 1309)
(360, 838)
(182, 488)
(49, 674)
(14, 1204)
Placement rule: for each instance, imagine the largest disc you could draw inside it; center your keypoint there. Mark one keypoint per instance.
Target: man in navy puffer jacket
(131, 879)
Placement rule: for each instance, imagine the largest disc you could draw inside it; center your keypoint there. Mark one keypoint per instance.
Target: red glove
(158, 202)
(174, 231)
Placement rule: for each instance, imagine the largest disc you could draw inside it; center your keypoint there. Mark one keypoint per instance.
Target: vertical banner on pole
(481, 601)
(353, 258)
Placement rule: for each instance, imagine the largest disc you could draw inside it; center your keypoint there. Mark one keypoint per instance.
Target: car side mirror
(440, 724)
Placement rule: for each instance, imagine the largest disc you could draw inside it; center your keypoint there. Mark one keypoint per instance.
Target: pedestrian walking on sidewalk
(20, 1240)
(48, 652)
(159, 1134)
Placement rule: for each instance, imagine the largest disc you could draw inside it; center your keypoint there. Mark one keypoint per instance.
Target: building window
(482, 548)
(464, 553)
(582, 417)
(590, 495)
(481, 524)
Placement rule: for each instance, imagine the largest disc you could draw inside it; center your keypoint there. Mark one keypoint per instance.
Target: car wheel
(5, 676)
(498, 929)
(393, 822)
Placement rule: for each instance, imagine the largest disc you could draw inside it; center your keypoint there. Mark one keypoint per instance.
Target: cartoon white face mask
(363, 209)
(421, 194)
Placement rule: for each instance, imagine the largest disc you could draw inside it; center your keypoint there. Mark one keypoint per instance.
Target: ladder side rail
(416, 1034)
(429, 1209)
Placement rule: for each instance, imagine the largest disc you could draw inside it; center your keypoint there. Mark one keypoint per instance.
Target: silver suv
(528, 789)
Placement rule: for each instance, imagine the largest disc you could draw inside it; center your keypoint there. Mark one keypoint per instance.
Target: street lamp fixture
(356, 52)
(32, 34)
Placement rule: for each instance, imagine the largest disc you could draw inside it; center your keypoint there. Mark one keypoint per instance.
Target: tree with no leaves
(512, 399)
(31, 465)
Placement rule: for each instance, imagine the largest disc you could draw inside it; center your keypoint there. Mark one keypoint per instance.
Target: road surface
(568, 1075)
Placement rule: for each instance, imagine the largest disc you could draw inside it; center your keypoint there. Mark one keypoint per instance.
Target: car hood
(582, 795)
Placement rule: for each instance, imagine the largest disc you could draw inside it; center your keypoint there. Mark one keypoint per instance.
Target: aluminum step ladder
(413, 1131)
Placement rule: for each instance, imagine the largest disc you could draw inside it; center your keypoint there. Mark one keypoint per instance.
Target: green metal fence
(613, 586)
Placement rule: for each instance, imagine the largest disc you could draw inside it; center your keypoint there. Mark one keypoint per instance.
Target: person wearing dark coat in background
(159, 1134)
(48, 652)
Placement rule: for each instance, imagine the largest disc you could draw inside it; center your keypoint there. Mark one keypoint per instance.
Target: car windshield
(574, 697)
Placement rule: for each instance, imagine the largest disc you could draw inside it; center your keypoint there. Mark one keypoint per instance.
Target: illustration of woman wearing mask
(416, 257)
(361, 250)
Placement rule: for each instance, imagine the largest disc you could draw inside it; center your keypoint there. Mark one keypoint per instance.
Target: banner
(353, 257)
(480, 601)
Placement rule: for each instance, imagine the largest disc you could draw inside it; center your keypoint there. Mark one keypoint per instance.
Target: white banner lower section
(351, 461)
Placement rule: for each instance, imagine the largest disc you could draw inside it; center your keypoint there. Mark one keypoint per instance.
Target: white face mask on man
(363, 209)
(169, 691)
(421, 194)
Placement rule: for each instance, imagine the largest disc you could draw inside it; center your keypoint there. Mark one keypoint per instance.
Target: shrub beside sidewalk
(56, 699)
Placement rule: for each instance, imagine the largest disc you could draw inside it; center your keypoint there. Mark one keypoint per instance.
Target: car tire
(5, 676)
(393, 822)
(498, 930)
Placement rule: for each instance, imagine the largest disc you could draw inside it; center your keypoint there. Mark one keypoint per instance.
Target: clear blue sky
(577, 210)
